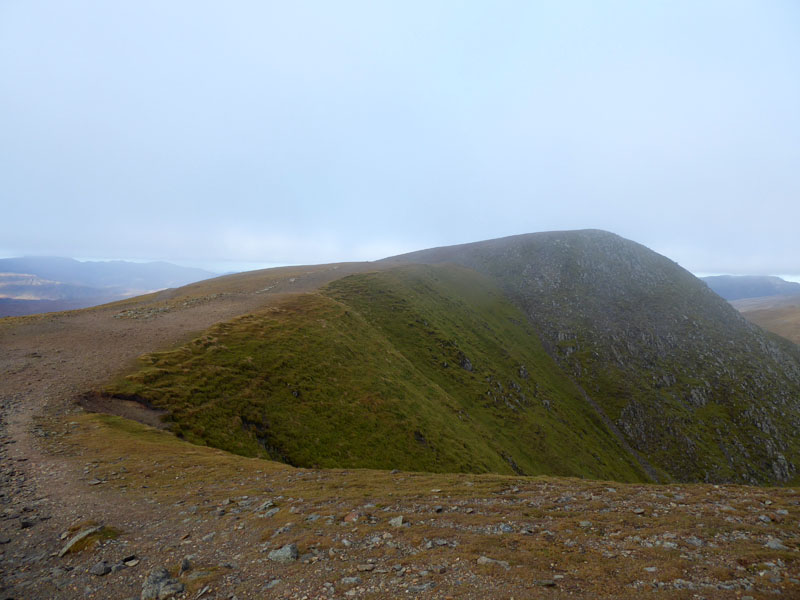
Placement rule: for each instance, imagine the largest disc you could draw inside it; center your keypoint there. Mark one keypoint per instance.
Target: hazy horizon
(225, 267)
(258, 133)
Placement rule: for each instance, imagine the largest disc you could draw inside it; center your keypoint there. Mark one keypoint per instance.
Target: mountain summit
(694, 386)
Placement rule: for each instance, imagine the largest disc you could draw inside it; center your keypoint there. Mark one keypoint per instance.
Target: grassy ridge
(418, 368)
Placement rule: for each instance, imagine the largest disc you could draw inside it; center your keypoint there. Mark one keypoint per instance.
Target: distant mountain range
(736, 287)
(35, 284)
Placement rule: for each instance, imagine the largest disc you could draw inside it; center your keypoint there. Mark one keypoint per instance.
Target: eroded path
(214, 519)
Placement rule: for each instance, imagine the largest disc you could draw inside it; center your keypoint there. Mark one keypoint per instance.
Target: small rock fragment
(100, 569)
(130, 561)
(186, 565)
(774, 544)
(485, 560)
(272, 583)
(264, 506)
(695, 541)
(285, 554)
(159, 585)
(77, 538)
(397, 521)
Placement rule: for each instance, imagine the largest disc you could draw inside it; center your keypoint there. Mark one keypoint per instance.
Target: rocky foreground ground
(96, 506)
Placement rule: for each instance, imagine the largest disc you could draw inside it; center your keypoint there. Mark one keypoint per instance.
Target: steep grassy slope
(701, 392)
(420, 368)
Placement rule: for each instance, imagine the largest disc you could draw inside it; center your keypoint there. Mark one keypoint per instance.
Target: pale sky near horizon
(256, 133)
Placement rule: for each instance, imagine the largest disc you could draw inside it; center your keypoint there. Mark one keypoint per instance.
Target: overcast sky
(306, 132)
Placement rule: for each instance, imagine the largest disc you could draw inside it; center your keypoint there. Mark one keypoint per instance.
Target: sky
(260, 133)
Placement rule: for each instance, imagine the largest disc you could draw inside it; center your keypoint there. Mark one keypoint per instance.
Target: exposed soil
(134, 409)
(465, 536)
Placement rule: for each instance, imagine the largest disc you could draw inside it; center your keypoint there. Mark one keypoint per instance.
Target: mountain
(39, 284)
(736, 287)
(105, 274)
(696, 388)
(495, 356)
(423, 368)
(97, 505)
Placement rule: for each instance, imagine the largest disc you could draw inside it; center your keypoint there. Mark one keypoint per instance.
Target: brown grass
(605, 559)
(784, 320)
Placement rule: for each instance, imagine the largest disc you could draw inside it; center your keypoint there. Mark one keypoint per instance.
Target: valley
(37, 284)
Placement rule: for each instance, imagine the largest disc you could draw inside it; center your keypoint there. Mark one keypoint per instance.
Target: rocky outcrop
(160, 585)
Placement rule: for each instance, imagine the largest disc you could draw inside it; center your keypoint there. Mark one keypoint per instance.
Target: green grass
(368, 373)
(642, 337)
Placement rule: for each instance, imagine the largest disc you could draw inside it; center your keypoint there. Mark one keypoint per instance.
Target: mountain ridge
(695, 389)
(738, 287)
(395, 344)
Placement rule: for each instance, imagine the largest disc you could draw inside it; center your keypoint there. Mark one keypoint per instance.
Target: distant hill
(42, 284)
(778, 314)
(575, 352)
(736, 287)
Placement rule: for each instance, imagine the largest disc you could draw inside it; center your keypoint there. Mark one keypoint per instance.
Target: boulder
(286, 554)
(160, 585)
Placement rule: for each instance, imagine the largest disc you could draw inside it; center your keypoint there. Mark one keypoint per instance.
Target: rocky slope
(701, 392)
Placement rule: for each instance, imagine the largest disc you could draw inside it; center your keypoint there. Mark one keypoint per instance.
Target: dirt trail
(48, 361)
